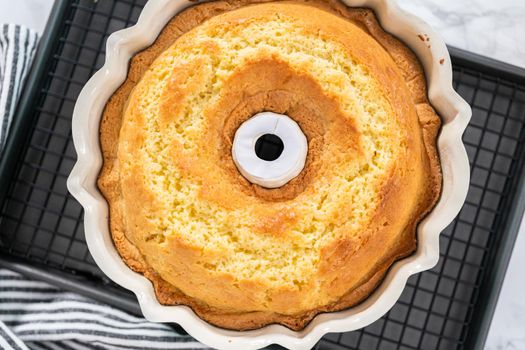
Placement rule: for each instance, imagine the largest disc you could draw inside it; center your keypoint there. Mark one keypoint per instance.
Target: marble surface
(30, 13)
(488, 27)
(492, 28)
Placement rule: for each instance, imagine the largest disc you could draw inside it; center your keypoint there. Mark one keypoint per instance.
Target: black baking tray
(448, 307)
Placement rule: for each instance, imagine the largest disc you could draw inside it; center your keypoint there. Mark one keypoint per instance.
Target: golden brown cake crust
(279, 101)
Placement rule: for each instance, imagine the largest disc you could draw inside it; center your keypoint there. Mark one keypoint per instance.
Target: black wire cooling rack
(448, 307)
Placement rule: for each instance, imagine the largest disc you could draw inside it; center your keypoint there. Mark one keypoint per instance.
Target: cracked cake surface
(240, 255)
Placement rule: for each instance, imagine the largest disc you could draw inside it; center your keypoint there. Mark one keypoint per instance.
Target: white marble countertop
(487, 27)
(492, 28)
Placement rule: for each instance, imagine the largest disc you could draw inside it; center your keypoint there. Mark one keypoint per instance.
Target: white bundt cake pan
(455, 113)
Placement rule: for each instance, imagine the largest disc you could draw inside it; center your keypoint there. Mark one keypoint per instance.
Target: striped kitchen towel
(17, 48)
(35, 315)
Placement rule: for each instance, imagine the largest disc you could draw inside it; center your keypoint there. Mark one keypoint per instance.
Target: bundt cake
(242, 255)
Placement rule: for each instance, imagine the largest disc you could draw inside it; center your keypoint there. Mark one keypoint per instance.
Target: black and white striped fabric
(35, 315)
(17, 47)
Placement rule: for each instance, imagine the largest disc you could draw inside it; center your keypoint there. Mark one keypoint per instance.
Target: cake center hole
(269, 147)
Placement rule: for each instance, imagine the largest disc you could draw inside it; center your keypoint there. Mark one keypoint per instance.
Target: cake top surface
(238, 247)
